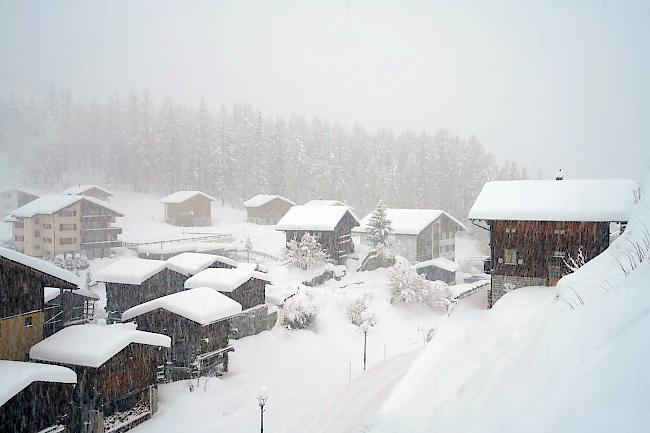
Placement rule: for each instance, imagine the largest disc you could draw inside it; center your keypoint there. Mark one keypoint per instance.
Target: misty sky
(545, 84)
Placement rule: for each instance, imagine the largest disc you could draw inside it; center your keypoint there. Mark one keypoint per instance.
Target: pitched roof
(40, 265)
(262, 199)
(181, 196)
(202, 305)
(317, 218)
(193, 263)
(92, 345)
(49, 204)
(555, 200)
(223, 280)
(80, 189)
(325, 203)
(16, 376)
(51, 293)
(22, 189)
(439, 262)
(408, 221)
(129, 270)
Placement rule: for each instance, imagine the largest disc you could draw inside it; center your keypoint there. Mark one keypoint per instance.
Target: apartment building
(65, 224)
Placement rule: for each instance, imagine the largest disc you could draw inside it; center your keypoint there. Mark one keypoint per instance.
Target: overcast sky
(546, 84)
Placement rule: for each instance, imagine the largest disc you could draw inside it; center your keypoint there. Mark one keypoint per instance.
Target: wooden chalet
(438, 269)
(332, 225)
(245, 286)
(89, 191)
(535, 225)
(421, 234)
(13, 198)
(132, 281)
(188, 209)
(198, 322)
(116, 373)
(22, 282)
(34, 397)
(266, 208)
(65, 307)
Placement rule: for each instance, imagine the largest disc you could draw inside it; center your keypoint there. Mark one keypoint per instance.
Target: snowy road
(353, 410)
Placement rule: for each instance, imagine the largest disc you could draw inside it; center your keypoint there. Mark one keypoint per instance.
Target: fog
(548, 85)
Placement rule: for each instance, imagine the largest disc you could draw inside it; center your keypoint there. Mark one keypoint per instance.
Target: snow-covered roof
(10, 219)
(555, 200)
(193, 263)
(181, 196)
(408, 221)
(39, 265)
(262, 199)
(92, 345)
(325, 203)
(202, 305)
(317, 218)
(223, 280)
(439, 262)
(22, 189)
(81, 189)
(16, 376)
(129, 270)
(49, 204)
(50, 293)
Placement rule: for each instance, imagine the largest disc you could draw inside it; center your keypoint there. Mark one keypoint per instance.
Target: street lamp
(262, 396)
(364, 327)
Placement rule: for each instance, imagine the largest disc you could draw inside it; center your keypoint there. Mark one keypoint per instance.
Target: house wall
(541, 247)
(196, 211)
(270, 213)
(249, 294)
(433, 273)
(98, 235)
(37, 407)
(97, 193)
(19, 333)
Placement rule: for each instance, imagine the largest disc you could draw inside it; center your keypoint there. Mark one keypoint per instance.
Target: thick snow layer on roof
(16, 376)
(49, 204)
(193, 263)
(40, 265)
(408, 221)
(551, 200)
(92, 345)
(129, 270)
(317, 218)
(439, 262)
(181, 196)
(221, 279)
(325, 203)
(262, 199)
(80, 189)
(202, 305)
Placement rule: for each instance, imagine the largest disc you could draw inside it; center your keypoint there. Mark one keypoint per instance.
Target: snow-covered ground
(567, 359)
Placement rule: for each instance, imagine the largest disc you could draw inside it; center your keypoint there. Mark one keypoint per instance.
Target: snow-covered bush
(9, 244)
(306, 253)
(407, 286)
(81, 262)
(299, 311)
(359, 313)
(59, 261)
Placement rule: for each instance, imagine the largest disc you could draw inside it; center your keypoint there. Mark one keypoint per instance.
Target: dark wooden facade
(37, 407)
(120, 297)
(268, 213)
(195, 348)
(434, 273)
(338, 242)
(21, 308)
(69, 308)
(250, 294)
(193, 212)
(537, 249)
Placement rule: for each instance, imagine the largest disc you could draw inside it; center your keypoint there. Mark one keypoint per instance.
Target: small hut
(197, 320)
(266, 208)
(438, 269)
(116, 371)
(132, 281)
(34, 397)
(188, 209)
(332, 226)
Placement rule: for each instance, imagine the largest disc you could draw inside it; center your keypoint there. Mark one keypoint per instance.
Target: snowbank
(16, 376)
(40, 265)
(129, 270)
(201, 305)
(92, 345)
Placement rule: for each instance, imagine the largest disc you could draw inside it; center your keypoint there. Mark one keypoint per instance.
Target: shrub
(299, 311)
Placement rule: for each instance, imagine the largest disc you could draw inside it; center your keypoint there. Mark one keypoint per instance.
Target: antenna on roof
(559, 175)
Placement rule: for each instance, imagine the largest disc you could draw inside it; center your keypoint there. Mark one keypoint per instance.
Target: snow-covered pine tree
(380, 226)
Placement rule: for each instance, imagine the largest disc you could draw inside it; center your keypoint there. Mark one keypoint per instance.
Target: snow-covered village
(324, 217)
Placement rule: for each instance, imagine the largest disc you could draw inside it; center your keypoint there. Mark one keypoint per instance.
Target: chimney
(559, 175)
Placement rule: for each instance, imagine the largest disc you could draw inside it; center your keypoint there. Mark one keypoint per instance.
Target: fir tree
(380, 226)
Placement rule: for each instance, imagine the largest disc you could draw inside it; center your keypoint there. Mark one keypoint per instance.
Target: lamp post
(364, 327)
(262, 396)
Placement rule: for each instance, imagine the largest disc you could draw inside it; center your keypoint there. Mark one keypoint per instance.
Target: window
(560, 228)
(37, 234)
(68, 213)
(47, 240)
(555, 272)
(47, 226)
(511, 230)
(67, 241)
(559, 254)
(29, 322)
(36, 220)
(510, 256)
(19, 238)
(67, 227)
(37, 247)
(19, 225)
